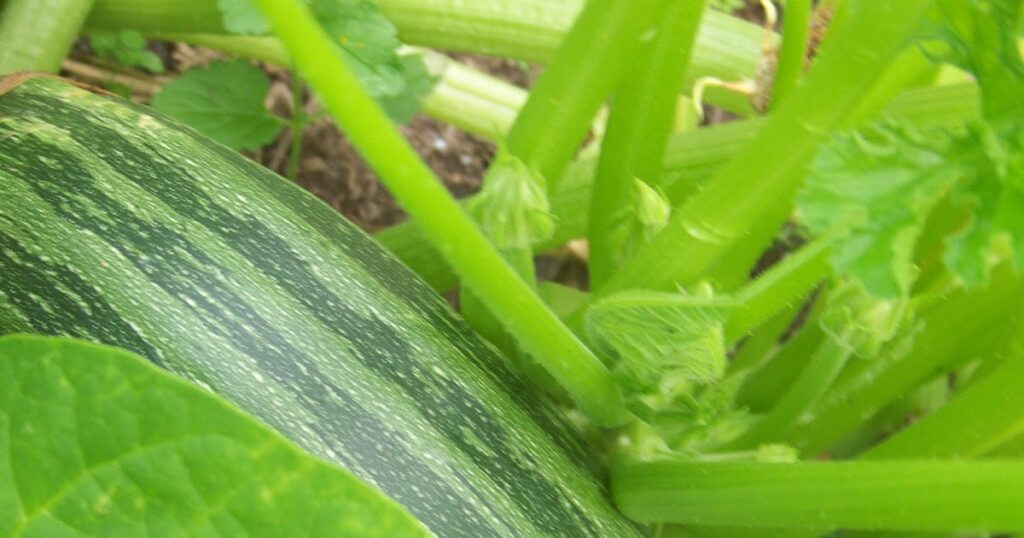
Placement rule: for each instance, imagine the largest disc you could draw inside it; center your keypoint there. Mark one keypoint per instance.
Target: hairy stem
(548, 130)
(812, 382)
(950, 332)
(984, 416)
(690, 161)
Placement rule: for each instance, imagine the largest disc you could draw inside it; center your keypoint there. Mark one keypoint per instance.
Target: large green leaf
(95, 441)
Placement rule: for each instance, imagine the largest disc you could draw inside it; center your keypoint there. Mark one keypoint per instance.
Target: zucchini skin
(120, 226)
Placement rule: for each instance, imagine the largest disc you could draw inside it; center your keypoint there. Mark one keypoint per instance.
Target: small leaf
(367, 39)
(127, 48)
(99, 442)
(659, 340)
(418, 84)
(223, 101)
(512, 207)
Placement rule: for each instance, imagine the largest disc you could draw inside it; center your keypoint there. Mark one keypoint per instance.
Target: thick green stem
(36, 35)
(898, 495)
(638, 128)
(763, 387)
(813, 381)
(986, 415)
(720, 215)
(549, 129)
(952, 331)
(529, 30)
(786, 283)
(759, 345)
(442, 219)
(590, 62)
(792, 56)
(690, 160)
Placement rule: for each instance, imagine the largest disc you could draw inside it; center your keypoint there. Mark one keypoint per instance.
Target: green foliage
(419, 83)
(127, 48)
(368, 40)
(880, 184)
(660, 342)
(878, 187)
(99, 442)
(223, 101)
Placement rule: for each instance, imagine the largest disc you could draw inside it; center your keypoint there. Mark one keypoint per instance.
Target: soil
(331, 168)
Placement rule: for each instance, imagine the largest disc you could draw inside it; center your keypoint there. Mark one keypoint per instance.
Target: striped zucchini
(120, 226)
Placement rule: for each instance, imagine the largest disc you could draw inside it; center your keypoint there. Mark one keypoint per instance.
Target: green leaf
(659, 342)
(880, 184)
(980, 36)
(512, 207)
(127, 48)
(877, 186)
(223, 101)
(99, 442)
(418, 84)
(367, 39)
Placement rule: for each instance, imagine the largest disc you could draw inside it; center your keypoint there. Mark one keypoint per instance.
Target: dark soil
(332, 169)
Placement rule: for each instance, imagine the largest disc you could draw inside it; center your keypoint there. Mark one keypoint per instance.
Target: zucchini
(121, 226)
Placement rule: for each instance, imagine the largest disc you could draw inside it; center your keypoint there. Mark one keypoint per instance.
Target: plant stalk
(36, 35)
(896, 495)
(638, 128)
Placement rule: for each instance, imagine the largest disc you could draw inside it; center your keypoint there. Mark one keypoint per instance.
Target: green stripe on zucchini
(122, 227)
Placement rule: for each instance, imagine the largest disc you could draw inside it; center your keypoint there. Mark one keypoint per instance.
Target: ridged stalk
(720, 215)
(36, 35)
(897, 495)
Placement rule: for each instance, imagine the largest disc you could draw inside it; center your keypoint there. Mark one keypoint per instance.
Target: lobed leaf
(127, 48)
(223, 101)
(878, 185)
